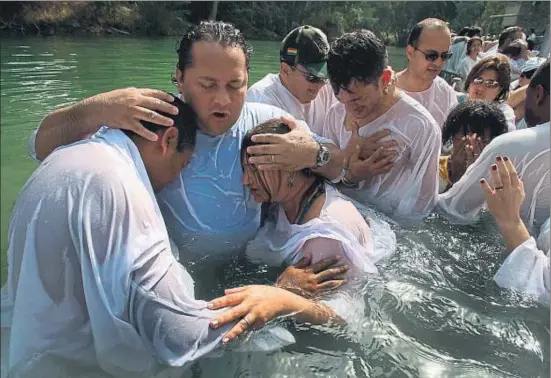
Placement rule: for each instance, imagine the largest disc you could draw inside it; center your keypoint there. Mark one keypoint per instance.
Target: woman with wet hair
(308, 219)
(490, 80)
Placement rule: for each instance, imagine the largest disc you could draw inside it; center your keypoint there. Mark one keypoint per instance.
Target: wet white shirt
(409, 190)
(526, 269)
(530, 152)
(269, 90)
(509, 114)
(93, 286)
(438, 99)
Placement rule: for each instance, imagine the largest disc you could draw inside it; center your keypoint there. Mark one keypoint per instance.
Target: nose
(222, 98)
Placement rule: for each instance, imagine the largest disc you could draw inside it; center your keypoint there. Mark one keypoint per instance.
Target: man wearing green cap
(301, 87)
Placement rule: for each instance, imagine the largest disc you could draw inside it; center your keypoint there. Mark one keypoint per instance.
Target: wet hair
(470, 44)
(474, 116)
(223, 33)
(185, 121)
(431, 23)
(474, 31)
(541, 77)
(272, 126)
(499, 64)
(358, 55)
(508, 35)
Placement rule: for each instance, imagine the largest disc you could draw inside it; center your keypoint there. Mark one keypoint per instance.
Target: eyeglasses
(487, 83)
(311, 78)
(433, 55)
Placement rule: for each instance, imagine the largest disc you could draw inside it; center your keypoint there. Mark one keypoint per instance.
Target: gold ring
(246, 321)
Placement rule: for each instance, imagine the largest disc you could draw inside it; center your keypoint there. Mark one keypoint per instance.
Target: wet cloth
(438, 99)
(409, 190)
(343, 230)
(530, 152)
(269, 90)
(92, 284)
(526, 269)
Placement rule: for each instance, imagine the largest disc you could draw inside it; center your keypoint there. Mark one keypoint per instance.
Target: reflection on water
(433, 312)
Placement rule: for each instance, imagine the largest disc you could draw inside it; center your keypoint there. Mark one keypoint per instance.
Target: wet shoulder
(533, 140)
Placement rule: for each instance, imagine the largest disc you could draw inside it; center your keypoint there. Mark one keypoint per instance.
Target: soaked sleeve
(421, 187)
(31, 145)
(526, 269)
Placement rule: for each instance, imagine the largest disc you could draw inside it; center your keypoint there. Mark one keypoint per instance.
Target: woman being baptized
(310, 220)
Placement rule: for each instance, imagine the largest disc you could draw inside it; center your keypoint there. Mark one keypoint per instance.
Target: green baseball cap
(308, 46)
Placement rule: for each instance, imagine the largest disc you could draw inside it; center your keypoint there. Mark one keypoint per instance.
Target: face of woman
(485, 86)
(265, 186)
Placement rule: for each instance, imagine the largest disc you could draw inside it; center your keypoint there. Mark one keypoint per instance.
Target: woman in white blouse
(474, 47)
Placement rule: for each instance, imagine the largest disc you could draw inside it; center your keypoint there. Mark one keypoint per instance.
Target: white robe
(361, 246)
(439, 99)
(526, 269)
(269, 90)
(530, 152)
(92, 284)
(410, 189)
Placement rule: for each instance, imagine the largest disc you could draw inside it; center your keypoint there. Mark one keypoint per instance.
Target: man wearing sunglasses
(301, 87)
(427, 53)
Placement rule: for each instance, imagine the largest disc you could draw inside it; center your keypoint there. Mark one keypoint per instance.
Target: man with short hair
(507, 36)
(427, 53)
(207, 208)
(529, 151)
(301, 87)
(517, 95)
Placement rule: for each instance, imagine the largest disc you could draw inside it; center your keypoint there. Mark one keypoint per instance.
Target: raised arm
(121, 108)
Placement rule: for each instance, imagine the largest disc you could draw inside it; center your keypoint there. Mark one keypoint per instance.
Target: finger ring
(499, 188)
(247, 322)
(273, 158)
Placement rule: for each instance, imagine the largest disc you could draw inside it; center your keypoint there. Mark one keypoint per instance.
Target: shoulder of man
(419, 115)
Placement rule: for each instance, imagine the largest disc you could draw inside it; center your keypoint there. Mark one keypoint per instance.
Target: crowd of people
(134, 183)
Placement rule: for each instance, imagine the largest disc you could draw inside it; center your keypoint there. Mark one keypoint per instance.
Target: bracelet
(340, 177)
(349, 183)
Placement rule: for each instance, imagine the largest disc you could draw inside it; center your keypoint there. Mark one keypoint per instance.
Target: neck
(473, 55)
(293, 201)
(411, 82)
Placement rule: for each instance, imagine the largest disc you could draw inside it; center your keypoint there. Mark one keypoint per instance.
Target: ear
(409, 52)
(386, 76)
(284, 68)
(169, 141)
(179, 78)
(541, 96)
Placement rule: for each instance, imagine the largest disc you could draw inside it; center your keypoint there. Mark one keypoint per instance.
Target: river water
(434, 312)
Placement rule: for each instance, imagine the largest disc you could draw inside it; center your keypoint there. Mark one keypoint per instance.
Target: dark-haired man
(508, 35)
(529, 151)
(301, 88)
(427, 53)
(207, 209)
(400, 176)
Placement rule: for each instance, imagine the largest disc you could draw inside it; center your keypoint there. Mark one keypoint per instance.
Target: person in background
(490, 80)
(474, 47)
(526, 268)
(427, 53)
(470, 126)
(507, 36)
(458, 47)
(399, 178)
(518, 90)
(518, 54)
(301, 88)
(528, 149)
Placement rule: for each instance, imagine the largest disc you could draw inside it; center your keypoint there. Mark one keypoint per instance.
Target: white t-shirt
(526, 269)
(409, 190)
(269, 90)
(438, 99)
(93, 286)
(530, 152)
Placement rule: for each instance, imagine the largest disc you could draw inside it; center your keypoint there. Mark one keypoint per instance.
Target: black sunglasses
(433, 55)
(311, 78)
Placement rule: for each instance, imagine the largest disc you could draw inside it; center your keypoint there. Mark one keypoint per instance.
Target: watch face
(324, 156)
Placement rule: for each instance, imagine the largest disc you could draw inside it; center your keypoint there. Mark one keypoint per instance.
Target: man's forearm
(64, 126)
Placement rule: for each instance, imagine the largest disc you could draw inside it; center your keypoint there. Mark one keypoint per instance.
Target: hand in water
(290, 152)
(311, 281)
(124, 108)
(255, 305)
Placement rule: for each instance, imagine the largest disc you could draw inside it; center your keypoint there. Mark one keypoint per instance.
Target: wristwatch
(323, 157)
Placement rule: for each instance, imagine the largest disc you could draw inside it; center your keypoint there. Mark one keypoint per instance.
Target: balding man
(427, 53)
